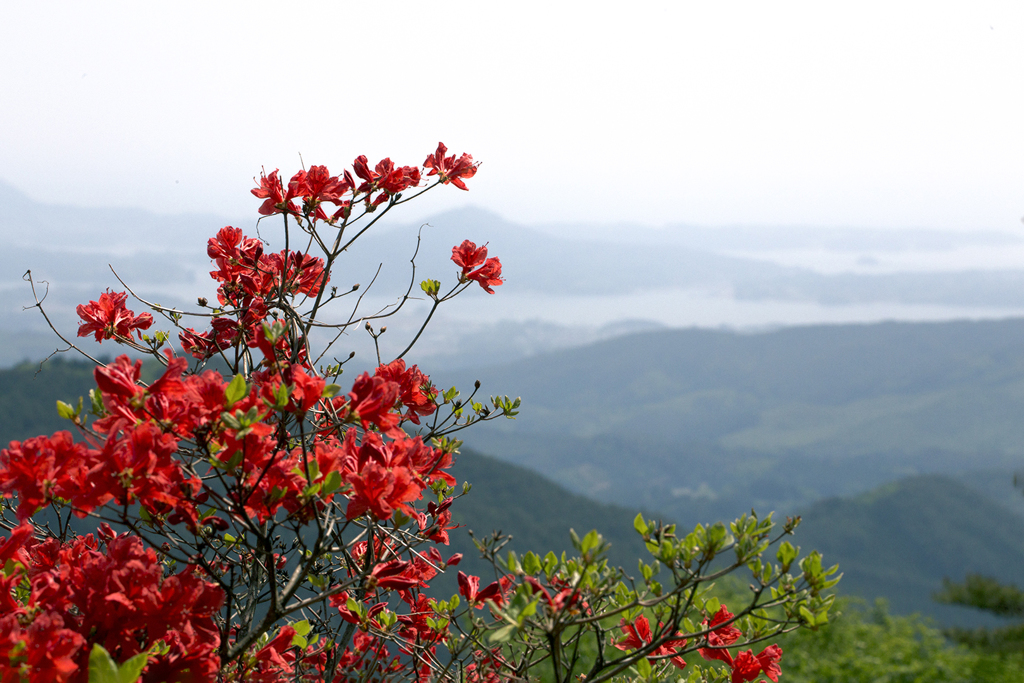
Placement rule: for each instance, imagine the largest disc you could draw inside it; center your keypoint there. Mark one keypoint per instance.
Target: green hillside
(697, 422)
(900, 540)
(749, 389)
(29, 395)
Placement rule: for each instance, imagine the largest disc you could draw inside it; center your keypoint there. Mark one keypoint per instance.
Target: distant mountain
(162, 257)
(29, 395)
(696, 422)
(901, 539)
(547, 261)
(56, 227)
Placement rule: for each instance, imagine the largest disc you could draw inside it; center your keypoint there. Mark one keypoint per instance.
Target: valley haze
(567, 284)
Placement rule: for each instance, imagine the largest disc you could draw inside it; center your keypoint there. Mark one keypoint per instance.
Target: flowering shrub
(272, 526)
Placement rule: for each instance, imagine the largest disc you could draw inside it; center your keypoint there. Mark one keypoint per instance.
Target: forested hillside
(720, 421)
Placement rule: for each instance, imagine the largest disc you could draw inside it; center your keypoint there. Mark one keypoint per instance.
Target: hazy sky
(858, 113)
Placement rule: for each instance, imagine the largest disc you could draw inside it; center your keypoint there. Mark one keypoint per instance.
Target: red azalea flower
(468, 256)
(638, 635)
(43, 468)
(382, 477)
(469, 587)
(451, 170)
(720, 637)
(13, 547)
(305, 390)
(417, 393)
(394, 574)
(488, 275)
(277, 200)
(769, 659)
(385, 176)
(437, 530)
(745, 667)
(109, 317)
(44, 651)
(372, 401)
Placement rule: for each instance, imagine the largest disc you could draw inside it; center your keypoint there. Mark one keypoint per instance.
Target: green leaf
(786, 554)
(513, 562)
(712, 606)
(643, 667)
(503, 634)
(96, 402)
(231, 421)
(302, 629)
(236, 391)
(531, 563)
(103, 668)
(65, 410)
(131, 669)
(640, 525)
(590, 541)
(332, 482)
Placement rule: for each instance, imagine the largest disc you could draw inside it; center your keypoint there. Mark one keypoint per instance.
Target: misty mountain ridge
(702, 423)
(565, 285)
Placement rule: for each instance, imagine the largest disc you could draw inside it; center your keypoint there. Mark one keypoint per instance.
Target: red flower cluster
(251, 280)
(389, 476)
(78, 596)
(745, 666)
(314, 187)
(108, 318)
(488, 270)
(469, 588)
(379, 184)
(416, 393)
(275, 445)
(135, 464)
(450, 169)
(638, 635)
(385, 176)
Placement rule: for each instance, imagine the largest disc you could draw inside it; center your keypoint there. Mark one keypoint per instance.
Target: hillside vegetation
(722, 421)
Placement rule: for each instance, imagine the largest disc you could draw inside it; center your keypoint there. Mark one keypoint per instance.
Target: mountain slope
(900, 540)
(686, 421)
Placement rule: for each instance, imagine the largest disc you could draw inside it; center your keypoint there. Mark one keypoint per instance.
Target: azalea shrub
(251, 516)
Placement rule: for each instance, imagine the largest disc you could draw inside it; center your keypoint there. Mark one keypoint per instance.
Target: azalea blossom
(476, 266)
(109, 318)
(638, 635)
(450, 169)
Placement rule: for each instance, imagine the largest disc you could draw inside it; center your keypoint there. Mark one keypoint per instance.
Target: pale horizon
(867, 115)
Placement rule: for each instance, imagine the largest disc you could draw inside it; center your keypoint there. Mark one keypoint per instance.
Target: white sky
(857, 113)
